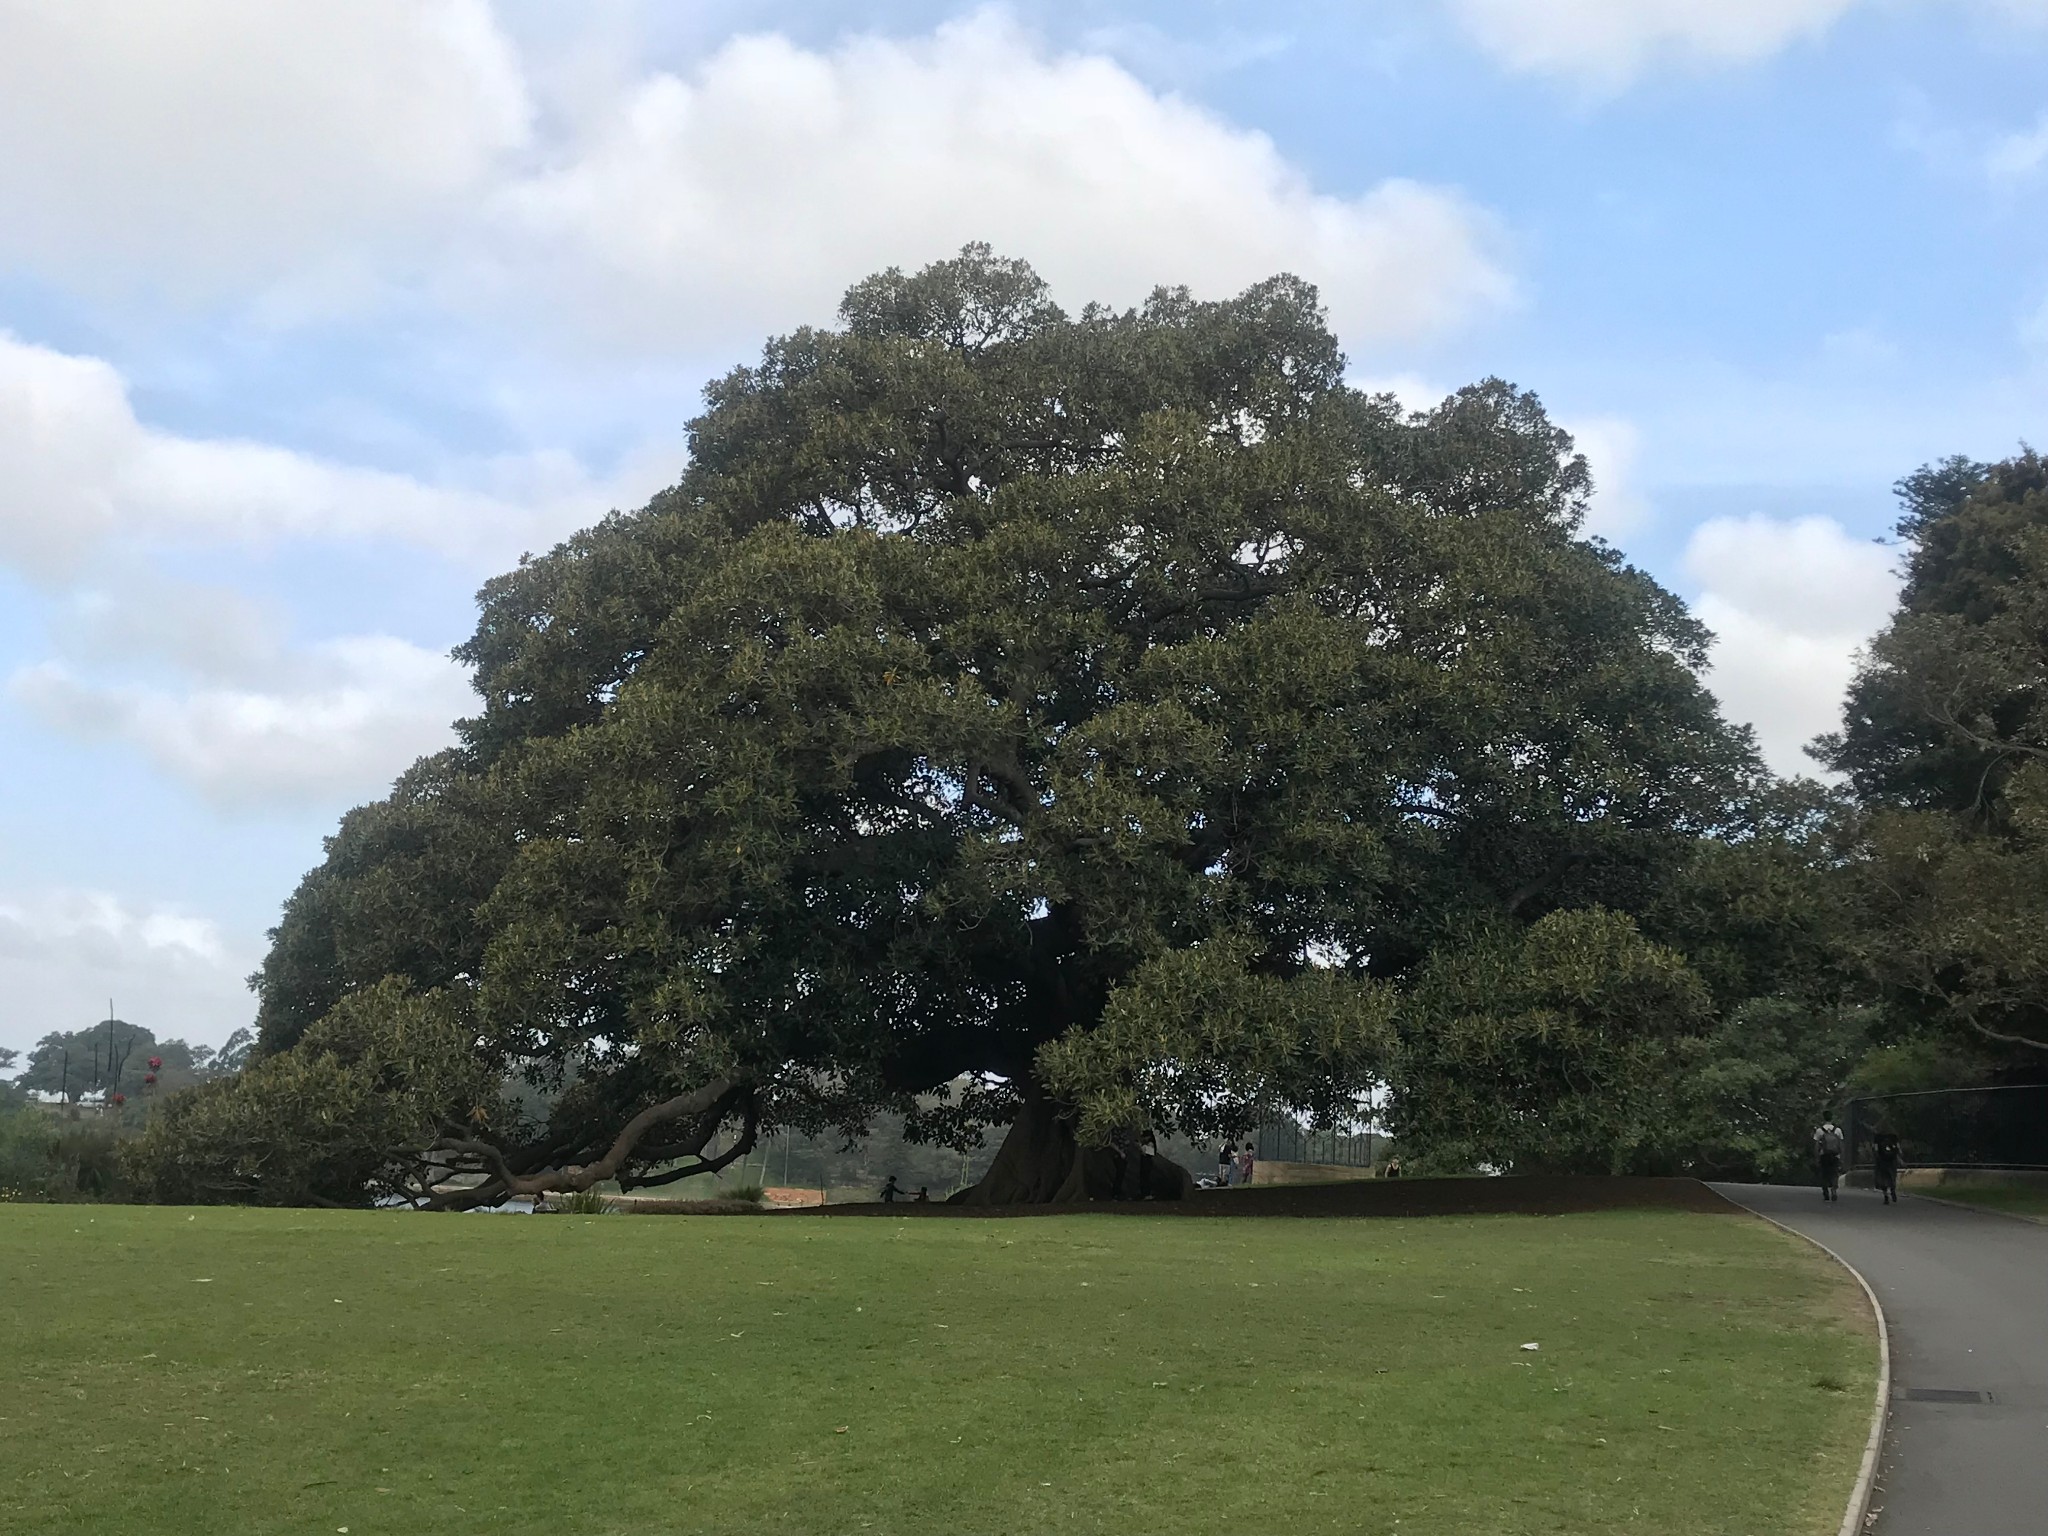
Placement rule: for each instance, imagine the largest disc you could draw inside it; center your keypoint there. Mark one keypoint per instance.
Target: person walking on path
(1885, 1158)
(1827, 1151)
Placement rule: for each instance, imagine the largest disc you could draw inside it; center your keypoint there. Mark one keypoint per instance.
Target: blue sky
(312, 317)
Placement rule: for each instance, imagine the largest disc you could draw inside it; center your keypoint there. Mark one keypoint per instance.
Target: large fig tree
(1098, 714)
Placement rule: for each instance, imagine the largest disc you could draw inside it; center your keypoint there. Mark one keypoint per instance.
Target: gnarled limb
(502, 1183)
(732, 1154)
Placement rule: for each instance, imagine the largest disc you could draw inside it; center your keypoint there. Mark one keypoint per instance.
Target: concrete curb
(1866, 1475)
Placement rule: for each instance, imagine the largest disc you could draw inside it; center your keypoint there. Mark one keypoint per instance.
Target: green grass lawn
(226, 1371)
(2017, 1199)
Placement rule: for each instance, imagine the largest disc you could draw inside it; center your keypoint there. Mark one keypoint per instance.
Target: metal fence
(1954, 1127)
(1288, 1141)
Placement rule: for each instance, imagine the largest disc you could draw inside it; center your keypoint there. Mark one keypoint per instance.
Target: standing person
(890, 1191)
(1827, 1151)
(1885, 1173)
(1247, 1164)
(1393, 1168)
(1226, 1167)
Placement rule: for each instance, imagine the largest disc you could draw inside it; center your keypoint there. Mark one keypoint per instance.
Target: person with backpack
(1827, 1150)
(1885, 1166)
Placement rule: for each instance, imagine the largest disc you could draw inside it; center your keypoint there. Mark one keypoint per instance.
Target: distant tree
(232, 1056)
(102, 1058)
(108, 1058)
(1945, 744)
(1111, 709)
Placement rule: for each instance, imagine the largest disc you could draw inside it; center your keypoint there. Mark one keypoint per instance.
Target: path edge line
(1981, 1210)
(1866, 1475)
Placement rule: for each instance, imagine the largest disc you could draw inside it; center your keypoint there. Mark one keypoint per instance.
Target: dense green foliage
(47, 1156)
(1119, 725)
(1115, 708)
(1555, 1047)
(1699, 1374)
(1945, 743)
(378, 1077)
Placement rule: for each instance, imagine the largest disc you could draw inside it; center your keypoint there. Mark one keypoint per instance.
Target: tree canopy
(1118, 709)
(1945, 744)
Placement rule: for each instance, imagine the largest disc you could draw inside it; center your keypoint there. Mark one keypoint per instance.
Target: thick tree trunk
(1040, 1163)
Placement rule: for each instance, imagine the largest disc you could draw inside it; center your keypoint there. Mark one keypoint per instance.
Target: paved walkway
(1966, 1295)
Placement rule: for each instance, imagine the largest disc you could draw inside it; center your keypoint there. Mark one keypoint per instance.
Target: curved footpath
(1966, 1296)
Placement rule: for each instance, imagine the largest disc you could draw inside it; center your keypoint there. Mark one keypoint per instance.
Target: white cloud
(198, 628)
(749, 194)
(334, 723)
(201, 144)
(310, 159)
(1611, 446)
(77, 468)
(1607, 42)
(2016, 156)
(64, 953)
(1790, 603)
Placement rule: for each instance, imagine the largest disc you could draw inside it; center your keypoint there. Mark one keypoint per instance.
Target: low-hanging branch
(501, 1183)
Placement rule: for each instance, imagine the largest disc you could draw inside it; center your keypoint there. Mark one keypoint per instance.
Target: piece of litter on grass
(840, 1430)
(1532, 1346)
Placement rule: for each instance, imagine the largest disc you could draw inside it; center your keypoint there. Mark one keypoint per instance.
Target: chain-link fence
(1288, 1141)
(1954, 1127)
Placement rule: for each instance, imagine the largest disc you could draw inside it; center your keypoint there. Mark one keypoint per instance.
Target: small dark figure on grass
(923, 1195)
(890, 1190)
(1885, 1166)
(1827, 1151)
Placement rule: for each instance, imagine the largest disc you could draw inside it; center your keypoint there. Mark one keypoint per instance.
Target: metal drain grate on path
(1943, 1395)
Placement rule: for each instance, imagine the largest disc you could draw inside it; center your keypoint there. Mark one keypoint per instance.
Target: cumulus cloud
(203, 143)
(303, 159)
(748, 193)
(1606, 42)
(78, 468)
(333, 724)
(64, 953)
(1790, 603)
(1611, 446)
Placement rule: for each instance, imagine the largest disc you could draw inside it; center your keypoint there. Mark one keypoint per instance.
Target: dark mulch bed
(640, 1207)
(1536, 1195)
